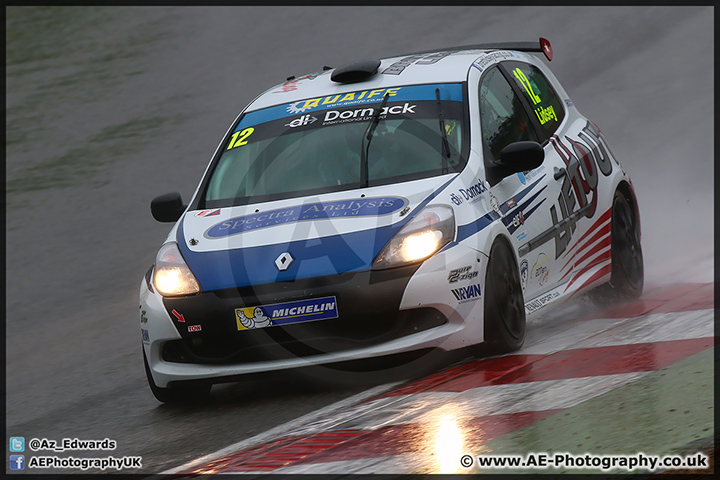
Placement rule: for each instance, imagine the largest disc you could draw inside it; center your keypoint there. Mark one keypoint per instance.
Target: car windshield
(316, 145)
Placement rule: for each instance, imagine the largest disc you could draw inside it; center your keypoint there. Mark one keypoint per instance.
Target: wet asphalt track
(109, 107)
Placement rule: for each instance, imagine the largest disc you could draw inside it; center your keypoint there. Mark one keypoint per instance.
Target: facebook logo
(17, 462)
(17, 444)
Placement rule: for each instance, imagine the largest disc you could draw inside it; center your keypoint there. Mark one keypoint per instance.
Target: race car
(432, 200)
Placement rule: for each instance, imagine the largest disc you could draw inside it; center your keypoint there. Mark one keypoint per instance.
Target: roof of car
(435, 66)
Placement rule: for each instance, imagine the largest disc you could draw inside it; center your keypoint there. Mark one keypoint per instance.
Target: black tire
(187, 393)
(627, 277)
(504, 306)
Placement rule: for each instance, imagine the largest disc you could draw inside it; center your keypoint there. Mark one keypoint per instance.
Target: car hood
(323, 234)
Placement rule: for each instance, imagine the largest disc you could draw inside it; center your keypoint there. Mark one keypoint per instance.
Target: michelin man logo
(257, 320)
(294, 108)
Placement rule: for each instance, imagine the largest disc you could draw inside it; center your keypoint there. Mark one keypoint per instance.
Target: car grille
(313, 338)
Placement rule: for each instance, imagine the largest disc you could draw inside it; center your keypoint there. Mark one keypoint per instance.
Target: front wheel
(189, 393)
(504, 307)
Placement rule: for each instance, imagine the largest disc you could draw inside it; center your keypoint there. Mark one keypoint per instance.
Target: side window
(540, 95)
(502, 116)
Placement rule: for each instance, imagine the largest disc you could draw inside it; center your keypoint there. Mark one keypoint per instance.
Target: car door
(582, 167)
(575, 248)
(522, 200)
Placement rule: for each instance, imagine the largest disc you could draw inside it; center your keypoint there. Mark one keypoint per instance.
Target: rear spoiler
(542, 45)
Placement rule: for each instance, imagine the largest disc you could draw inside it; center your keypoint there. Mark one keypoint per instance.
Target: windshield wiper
(364, 149)
(443, 133)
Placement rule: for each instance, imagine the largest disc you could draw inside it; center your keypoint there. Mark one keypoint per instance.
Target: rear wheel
(627, 277)
(504, 305)
(188, 393)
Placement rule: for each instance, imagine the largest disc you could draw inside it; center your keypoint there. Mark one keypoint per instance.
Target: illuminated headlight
(425, 234)
(172, 276)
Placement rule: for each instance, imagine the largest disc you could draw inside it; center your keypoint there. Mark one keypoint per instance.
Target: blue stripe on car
(508, 220)
(449, 92)
(329, 255)
(530, 212)
(504, 208)
(465, 231)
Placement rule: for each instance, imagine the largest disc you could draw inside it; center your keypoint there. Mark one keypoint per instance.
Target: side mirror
(515, 157)
(522, 156)
(168, 207)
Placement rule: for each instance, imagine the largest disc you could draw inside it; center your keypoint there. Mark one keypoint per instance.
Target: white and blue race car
(432, 200)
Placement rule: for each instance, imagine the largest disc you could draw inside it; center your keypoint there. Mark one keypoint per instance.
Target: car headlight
(425, 234)
(172, 276)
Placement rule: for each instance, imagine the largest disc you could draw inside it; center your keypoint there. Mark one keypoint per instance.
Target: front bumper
(369, 323)
(368, 314)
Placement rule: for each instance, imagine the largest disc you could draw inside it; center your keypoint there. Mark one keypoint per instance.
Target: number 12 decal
(526, 85)
(240, 138)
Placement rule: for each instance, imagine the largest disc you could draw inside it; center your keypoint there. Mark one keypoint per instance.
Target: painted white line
(658, 327)
(397, 464)
(427, 407)
(318, 418)
(489, 400)
(604, 332)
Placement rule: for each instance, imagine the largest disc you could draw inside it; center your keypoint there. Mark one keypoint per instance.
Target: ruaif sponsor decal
(467, 294)
(364, 96)
(145, 335)
(285, 313)
(293, 114)
(462, 273)
(472, 193)
(365, 207)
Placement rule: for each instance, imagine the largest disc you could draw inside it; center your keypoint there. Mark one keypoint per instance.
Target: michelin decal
(262, 316)
(258, 319)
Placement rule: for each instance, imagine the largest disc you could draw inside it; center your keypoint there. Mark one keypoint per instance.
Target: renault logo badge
(284, 261)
